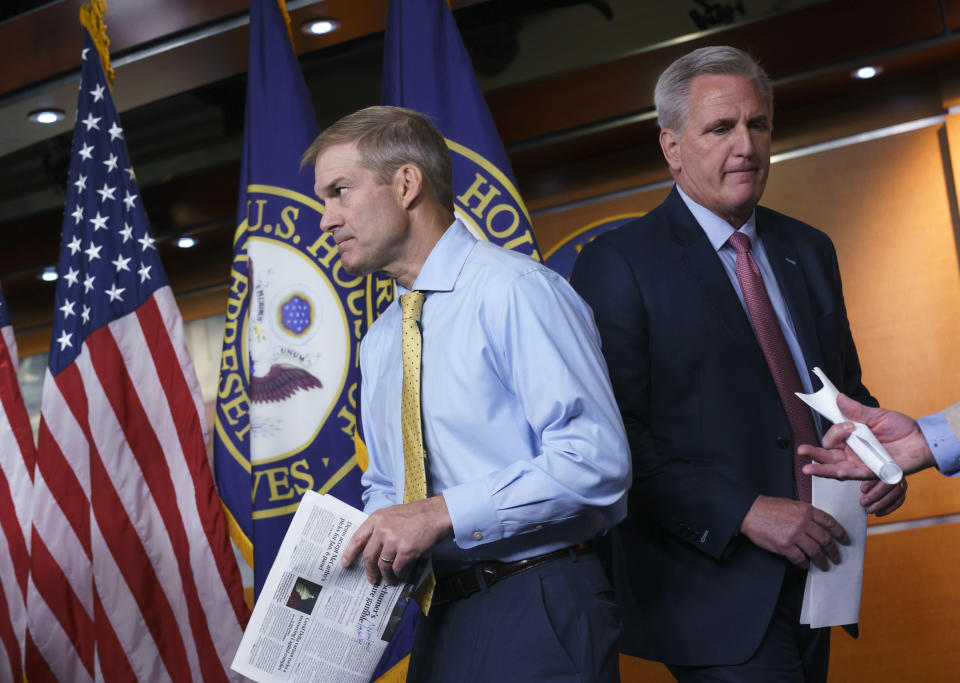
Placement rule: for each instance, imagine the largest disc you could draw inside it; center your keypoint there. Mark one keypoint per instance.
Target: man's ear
(408, 181)
(670, 145)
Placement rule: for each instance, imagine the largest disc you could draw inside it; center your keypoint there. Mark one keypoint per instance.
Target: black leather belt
(482, 575)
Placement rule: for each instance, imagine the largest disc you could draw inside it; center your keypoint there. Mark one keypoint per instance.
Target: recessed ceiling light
(49, 274)
(46, 115)
(319, 27)
(865, 72)
(186, 242)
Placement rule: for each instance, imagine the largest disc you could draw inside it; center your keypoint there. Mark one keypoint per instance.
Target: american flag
(132, 576)
(16, 472)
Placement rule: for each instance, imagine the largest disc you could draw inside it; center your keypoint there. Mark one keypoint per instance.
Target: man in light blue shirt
(931, 441)
(527, 459)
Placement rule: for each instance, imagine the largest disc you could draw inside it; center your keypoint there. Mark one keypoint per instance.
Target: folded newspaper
(316, 621)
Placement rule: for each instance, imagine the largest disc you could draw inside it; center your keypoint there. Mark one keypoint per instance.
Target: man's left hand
(881, 499)
(392, 539)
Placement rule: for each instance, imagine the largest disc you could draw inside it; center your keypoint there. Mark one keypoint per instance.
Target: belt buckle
(488, 573)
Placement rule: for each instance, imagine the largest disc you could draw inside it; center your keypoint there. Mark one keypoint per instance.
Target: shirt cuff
(943, 442)
(472, 515)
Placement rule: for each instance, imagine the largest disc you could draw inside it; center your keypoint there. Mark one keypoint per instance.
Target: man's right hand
(796, 530)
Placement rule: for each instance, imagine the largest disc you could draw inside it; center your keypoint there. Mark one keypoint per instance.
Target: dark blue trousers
(555, 623)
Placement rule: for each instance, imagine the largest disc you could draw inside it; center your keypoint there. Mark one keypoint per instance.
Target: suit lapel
(697, 257)
(788, 269)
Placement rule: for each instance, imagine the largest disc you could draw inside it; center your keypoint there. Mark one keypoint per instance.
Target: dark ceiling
(569, 83)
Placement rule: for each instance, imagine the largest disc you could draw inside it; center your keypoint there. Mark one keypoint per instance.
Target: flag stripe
(111, 659)
(117, 600)
(64, 606)
(17, 462)
(61, 481)
(110, 367)
(186, 419)
(8, 636)
(16, 543)
(35, 665)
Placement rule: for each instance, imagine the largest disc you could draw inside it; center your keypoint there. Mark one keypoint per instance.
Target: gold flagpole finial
(91, 16)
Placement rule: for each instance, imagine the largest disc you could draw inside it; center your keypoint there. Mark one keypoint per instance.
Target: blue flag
(427, 68)
(289, 385)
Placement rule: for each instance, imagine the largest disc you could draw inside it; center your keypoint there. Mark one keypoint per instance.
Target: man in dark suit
(712, 311)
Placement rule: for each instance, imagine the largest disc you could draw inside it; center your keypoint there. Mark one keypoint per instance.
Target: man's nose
(743, 144)
(329, 220)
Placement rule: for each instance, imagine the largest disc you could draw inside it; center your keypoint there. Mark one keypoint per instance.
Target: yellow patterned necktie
(414, 454)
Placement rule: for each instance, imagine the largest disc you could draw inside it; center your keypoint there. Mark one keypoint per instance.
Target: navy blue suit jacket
(706, 428)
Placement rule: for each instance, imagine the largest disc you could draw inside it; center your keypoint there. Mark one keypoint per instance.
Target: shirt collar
(443, 265)
(718, 230)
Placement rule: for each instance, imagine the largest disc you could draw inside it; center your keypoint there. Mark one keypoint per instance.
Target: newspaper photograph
(314, 620)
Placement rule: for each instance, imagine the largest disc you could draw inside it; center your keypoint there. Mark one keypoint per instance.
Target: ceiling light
(49, 274)
(186, 242)
(318, 27)
(46, 116)
(865, 72)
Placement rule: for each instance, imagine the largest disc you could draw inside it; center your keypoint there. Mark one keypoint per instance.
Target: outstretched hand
(898, 433)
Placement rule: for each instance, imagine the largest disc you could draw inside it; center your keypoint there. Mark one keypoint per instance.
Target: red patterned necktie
(779, 358)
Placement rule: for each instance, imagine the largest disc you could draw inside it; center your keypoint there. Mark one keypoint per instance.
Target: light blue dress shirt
(523, 435)
(718, 232)
(943, 442)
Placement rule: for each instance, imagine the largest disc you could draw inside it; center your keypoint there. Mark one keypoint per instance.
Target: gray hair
(673, 87)
(387, 138)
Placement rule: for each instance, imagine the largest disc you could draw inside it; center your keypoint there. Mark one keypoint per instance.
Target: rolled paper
(861, 441)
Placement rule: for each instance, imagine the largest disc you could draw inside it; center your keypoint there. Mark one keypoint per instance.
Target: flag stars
(114, 292)
(86, 151)
(115, 131)
(99, 222)
(133, 176)
(97, 93)
(127, 232)
(106, 192)
(121, 263)
(67, 308)
(88, 283)
(91, 122)
(74, 245)
(146, 242)
(129, 199)
(83, 53)
(81, 183)
(77, 214)
(93, 251)
(64, 340)
(111, 162)
(72, 273)
(85, 314)
(144, 273)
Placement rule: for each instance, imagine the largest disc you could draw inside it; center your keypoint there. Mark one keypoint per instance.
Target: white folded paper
(832, 597)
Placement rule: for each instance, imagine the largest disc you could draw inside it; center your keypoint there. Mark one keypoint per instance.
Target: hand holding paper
(898, 433)
(861, 440)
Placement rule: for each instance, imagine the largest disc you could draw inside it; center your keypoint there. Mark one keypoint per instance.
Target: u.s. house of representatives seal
(288, 394)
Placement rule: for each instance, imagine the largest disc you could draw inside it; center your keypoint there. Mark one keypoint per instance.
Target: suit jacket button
(783, 441)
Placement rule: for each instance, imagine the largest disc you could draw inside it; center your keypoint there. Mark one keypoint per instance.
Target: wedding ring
(383, 559)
